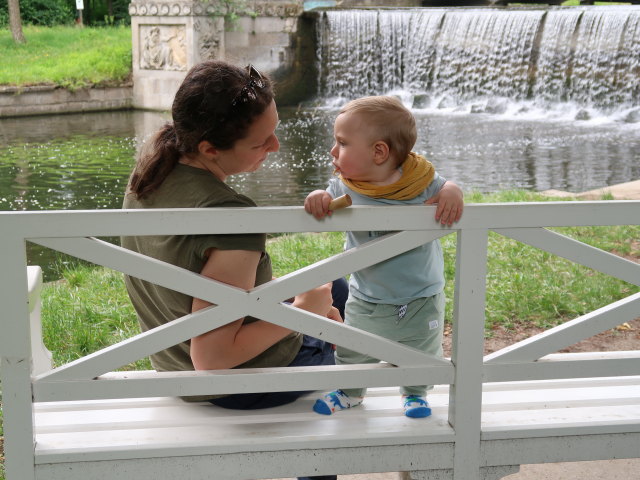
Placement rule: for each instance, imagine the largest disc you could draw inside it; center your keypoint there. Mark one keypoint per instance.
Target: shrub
(40, 12)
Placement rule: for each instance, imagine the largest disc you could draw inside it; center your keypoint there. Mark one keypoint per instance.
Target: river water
(82, 161)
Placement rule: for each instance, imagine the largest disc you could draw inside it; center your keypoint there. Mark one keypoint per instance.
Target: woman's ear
(207, 149)
(380, 152)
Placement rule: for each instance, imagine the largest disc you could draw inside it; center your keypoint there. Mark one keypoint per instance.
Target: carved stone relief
(163, 47)
(208, 39)
(263, 8)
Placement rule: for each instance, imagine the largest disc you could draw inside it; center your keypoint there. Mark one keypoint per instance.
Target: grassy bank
(67, 56)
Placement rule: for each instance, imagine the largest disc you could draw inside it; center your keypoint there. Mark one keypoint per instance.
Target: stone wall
(42, 100)
(170, 36)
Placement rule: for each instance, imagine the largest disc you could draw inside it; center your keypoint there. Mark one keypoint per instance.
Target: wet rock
(497, 106)
(478, 108)
(583, 115)
(421, 101)
(633, 116)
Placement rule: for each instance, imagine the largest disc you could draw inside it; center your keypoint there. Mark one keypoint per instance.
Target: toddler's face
(353, 149)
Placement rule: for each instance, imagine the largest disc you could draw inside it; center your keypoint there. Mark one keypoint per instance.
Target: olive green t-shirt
(189, 187)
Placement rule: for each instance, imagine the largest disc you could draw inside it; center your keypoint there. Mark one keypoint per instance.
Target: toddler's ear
(380, 152)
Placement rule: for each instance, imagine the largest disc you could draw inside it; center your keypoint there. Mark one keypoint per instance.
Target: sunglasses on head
(248, 92)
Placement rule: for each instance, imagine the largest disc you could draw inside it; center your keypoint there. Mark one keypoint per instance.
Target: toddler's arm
(317, 203)
(450, 203)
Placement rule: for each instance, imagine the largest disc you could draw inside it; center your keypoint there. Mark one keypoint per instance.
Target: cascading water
(487, 60)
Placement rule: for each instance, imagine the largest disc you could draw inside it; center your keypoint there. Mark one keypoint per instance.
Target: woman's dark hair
(217, 102)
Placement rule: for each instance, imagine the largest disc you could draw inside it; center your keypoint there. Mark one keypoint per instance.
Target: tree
(15, 22)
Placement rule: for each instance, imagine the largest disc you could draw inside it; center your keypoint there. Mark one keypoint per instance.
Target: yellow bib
(417, 174)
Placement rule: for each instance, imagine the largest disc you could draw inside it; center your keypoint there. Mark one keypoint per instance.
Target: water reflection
(83, 161)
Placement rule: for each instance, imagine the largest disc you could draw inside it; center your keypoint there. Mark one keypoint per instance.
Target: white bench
(164, 437)
(521, 405)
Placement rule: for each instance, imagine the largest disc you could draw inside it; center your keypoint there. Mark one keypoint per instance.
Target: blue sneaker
(333, 401)
(415, 406)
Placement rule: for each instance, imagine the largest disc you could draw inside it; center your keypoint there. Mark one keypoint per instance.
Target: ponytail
(156, 162)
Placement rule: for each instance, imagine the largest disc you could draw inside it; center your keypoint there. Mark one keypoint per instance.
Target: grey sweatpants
(420, 325)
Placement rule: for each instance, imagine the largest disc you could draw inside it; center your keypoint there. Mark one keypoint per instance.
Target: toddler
(401, 298)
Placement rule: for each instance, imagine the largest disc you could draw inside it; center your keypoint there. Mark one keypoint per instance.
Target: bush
(62, 12)
(97, 12)
(40, 12)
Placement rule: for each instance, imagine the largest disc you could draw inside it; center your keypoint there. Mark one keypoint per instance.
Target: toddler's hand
(317, 203)
(450, 203)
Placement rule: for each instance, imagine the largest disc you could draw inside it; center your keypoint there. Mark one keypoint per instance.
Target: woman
(224, 121)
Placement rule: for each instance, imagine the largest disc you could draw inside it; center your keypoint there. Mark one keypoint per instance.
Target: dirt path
(624, 337)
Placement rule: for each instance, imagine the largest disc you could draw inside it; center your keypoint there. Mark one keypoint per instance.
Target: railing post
(465, 395)
(15, 353)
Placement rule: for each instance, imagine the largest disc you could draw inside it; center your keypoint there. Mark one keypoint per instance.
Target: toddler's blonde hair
(390, 121)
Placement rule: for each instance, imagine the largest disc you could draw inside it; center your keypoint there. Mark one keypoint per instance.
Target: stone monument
(170, 36)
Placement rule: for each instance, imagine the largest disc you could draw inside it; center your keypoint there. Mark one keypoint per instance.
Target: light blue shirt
(411, 275)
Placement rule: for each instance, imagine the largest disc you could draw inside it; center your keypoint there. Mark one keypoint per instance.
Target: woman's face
(248, 154)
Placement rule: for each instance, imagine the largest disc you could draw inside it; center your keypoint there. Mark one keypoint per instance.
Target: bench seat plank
(153, 427)
(156, 427)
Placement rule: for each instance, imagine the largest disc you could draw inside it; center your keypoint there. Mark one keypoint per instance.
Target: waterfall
(484, 59)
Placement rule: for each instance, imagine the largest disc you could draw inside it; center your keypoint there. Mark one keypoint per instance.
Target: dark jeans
(312, 352)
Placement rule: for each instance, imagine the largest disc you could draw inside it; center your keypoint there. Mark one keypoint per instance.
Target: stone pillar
(170, 36)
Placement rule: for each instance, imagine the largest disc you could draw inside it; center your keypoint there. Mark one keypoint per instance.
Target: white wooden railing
(93, 376)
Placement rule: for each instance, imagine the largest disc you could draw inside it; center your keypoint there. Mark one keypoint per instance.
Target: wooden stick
(340, 202)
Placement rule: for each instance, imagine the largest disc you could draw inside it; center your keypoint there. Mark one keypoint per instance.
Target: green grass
(86, 310)
(67, 56)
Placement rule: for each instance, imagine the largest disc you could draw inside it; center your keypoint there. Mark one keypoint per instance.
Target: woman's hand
(450, 203)
(317, 203)
(334, 314)
(317, 300)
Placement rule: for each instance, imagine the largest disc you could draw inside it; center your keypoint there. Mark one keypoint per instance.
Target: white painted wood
(571, 448)
(577, 252)
(546, 368)
(535, 408)
(103, 223)
(477, 430)
(570, 332)
(40, 354)
(15, 361)
(253, 465)
(467, 348)
(151, 383)
(136, 430)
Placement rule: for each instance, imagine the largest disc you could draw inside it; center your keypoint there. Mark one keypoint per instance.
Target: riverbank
(52, 99)
(622, 191)
(65, 69)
